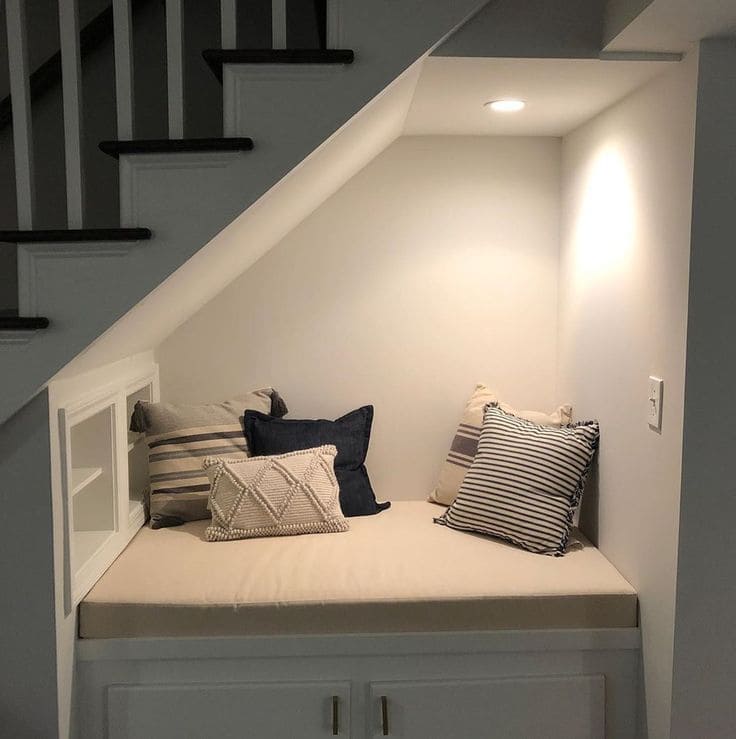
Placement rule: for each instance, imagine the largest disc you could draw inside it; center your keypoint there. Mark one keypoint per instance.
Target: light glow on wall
(605, 223)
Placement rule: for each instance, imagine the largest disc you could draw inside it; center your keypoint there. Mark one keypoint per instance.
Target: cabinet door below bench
(311, 710)
(505, 708)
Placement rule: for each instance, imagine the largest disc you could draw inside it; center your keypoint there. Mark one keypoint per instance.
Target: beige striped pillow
(179, 437)
(465, 444)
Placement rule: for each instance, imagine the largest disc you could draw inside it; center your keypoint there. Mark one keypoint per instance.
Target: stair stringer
(187, 200)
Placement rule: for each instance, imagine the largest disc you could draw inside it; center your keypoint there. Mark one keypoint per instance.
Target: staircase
(176, 194)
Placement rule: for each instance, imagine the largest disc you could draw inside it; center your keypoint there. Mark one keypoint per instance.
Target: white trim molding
(31, 256)
(236, 78)
(16, 338)
(132, 166)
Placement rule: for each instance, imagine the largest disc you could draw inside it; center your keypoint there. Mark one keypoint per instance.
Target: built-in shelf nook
(103, 470)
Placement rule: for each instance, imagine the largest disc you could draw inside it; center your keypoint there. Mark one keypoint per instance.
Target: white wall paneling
(39, 262)
(264, 118)
(136, 174)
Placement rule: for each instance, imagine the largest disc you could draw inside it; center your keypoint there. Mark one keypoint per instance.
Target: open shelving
(92, 482)
(102, 470)
(84, 476)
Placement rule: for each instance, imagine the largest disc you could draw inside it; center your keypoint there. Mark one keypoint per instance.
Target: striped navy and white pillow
(179, 437)
(525, 481)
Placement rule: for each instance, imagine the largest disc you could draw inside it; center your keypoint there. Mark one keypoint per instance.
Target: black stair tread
(23, 323)
(217, 57)
(69, 235)
(166, 146)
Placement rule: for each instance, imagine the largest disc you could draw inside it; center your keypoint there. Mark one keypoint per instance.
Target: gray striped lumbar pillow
(179, 437)
(525, 481)
(464, 445)
(285, 494)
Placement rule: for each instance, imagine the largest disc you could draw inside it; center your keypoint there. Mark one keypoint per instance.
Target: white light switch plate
(654, 403)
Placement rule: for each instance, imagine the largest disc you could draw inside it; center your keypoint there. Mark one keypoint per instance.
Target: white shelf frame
(136, 509)
(133, 444)
(97, 538)
(82, 477)
(83, 556)
(84, 571)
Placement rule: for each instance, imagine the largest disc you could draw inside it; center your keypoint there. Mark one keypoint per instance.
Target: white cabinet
(565, 707)
(311, 710)
(512, 708)
(571, 684)
(100, 470)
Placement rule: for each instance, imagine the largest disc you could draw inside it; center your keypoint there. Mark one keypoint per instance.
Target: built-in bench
(394, 572)
(398, 627)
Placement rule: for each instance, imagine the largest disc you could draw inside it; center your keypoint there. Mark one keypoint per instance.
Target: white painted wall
(705, 649)
(27, 656)
(627, 185)
(434, 268)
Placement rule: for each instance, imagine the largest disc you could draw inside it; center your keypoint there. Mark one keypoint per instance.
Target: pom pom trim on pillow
(179, 436)
(282, 495)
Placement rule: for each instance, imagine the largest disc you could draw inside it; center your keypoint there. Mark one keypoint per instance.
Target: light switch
(654, 403)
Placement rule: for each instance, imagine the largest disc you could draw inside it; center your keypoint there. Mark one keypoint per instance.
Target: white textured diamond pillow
(294, 493)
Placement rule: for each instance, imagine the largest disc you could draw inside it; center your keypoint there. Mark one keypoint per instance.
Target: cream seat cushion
(396, 572)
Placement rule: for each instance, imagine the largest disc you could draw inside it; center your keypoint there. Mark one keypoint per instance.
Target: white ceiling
(561, 94)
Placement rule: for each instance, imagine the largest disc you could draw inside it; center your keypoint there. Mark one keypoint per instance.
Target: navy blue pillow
(351, 434)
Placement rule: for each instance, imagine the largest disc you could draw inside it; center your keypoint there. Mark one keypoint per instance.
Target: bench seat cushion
(397, 572)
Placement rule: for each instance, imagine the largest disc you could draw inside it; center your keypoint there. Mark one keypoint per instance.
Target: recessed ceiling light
(506, 106)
